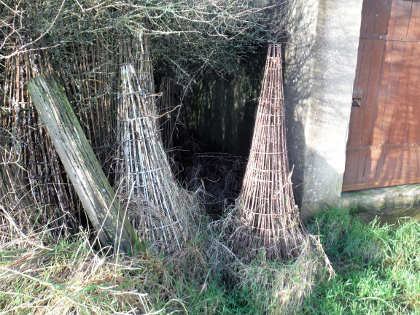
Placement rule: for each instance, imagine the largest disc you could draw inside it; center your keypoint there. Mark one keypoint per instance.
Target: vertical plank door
(383, 147)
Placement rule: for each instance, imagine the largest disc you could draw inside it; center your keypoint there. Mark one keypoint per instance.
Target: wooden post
(82, 166)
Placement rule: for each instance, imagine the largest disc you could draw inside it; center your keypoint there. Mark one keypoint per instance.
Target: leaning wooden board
(82, 167)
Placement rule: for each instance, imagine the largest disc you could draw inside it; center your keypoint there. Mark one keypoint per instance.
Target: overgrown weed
(68, 277)
(377, 265)
(377, 272)
(272, 286)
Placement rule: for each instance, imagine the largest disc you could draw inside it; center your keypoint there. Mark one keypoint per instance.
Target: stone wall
(320, 69)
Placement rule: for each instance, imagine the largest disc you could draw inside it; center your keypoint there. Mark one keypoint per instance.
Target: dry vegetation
(259, 259)
(100, 53)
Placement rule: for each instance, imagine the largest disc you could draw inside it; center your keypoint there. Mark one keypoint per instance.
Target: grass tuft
(69, 278)
(377, 267)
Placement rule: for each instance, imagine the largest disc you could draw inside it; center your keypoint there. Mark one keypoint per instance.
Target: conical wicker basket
(268, 216)
(156, 203)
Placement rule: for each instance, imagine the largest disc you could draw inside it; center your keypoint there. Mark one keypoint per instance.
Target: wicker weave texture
(267, 210)
(146, 178)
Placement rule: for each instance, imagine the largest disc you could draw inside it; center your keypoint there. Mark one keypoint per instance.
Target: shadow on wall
(316, 117)
(221, 111)
(298, 57)
(295, 129)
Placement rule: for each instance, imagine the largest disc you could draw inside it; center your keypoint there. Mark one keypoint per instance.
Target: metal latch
(357, 97)
(356, 101)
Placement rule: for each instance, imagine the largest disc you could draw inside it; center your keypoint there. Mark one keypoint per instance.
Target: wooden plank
(359, 90)
(380, 122)
(373, 87)
(397, 118)
(414, 25)
(375, 17)
(399, 167)
(413, 92)
(82, 167)
(369, 71)
(399, 19)
(383, 146)
(390, 38)
(405, 126)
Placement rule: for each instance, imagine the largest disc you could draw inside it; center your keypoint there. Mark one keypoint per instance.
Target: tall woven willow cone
(156, 203)
(268, 216)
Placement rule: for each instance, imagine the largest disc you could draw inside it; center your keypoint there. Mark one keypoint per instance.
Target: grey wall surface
(321, 57)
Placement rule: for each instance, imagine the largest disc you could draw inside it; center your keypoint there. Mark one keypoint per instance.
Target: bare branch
(22, 49)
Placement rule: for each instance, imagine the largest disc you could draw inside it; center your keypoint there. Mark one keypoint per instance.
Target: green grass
(377, 269)
(377, 272)
(377, 266)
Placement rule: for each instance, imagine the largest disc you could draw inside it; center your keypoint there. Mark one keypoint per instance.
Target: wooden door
(383, 147)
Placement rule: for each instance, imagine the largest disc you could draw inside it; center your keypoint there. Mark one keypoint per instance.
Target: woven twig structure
(268, 216)
(90, 77)
(28, 161)
(29, 164)
(146, 179)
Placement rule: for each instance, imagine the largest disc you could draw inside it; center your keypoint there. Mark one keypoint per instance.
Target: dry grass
(280, 288)
(43, 276)
(276, 286)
